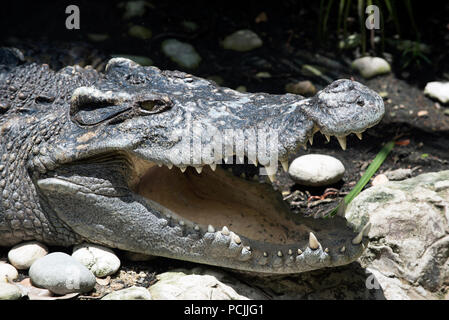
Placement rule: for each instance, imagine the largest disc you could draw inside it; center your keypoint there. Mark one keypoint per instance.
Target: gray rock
(133, 293)
(242, 40)
(140, 32)
(197, 284)
(7, 272)
(182, 53)
(100, 260)
(9, 291)
(61, 274)
(399, 174)
(23, 255)
(438, 90)
(370, 67)
(409, 247)
(316, 170)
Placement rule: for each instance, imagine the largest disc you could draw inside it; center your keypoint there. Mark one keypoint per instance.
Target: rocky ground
(280, 54)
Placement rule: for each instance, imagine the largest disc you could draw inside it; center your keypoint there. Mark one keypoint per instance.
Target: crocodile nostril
(361, 103)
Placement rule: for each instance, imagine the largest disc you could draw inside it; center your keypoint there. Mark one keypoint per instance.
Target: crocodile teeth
(272, 178)
(279, 253)
(265, 254)
(359, 135)
(364, 232)
(255, 162)
(170, 166)
(342, 142)
(210, 229)
(199, 169)
(290, 252)
(313, 242)
(328, 137)
(225, 231)
(311, 140)
(241, 160)
(343, 249)
(213, 166)
(183, 169)
(299, 251)
(284, 164)
(236, 239)
(196, 228)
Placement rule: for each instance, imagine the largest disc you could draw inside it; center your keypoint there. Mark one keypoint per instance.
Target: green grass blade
(370, 171)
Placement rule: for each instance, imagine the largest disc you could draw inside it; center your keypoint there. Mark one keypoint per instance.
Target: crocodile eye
(156, 105)
(361, 103)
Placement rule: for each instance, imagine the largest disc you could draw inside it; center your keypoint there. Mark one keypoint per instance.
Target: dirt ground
(418, 123)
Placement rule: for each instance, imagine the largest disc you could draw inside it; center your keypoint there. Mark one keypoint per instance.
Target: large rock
(132, 293)
(100, 260)
(199, 284)
(438, 90)
(370, 67)
(408, 251)
(61, 274)
(23, 255)
(242, 40)
(182, 53)
(316, 170)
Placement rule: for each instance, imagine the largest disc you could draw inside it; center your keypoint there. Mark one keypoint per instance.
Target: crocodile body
(99, 157)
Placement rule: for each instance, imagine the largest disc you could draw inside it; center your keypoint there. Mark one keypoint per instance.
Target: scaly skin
(79, 152)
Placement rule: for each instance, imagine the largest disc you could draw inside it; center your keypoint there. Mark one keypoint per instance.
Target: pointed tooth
(313, 242)
(255, 162)
(272, 178)
(311, 140)
(305, 146)
(236, 238)
(243, 175)
(366, 229)
(299, 251)
(199, 169)
(182, 223)
(213, 166)
(225, 231)
(284, 164)
(210, 229)
(343, 249)
(241, 160)
(290, 252)
(196, 228)
(342, 209)
(183, 169)
(326, 250)
(279, 254)
(170, 165)
(328, 137)
(359, 135)
(159, 165)
(363, 232)
(265, 254)
(342, 142)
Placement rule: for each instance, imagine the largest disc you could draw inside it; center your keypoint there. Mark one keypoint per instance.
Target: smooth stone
(182, 53)
(61, 274)
(197, 284)
(23, 255)
(140, 32)
(303, 88)
(242, 40)
(369, 67)
(133, 293)
(133, 9)
(100, 260)
(7, 272)
(9, 291)
(438, 90)
(316, 170)
(141, 60)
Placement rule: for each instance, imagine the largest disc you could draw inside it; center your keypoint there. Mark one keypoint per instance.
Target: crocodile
(100, 157)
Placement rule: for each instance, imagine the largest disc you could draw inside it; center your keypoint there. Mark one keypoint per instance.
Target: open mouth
(230, 201)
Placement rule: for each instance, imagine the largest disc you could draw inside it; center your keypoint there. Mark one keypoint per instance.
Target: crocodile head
(138, 166)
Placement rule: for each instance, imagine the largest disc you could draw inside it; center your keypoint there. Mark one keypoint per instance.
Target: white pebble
(23, 255)
(101, 261)
(7, 272)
